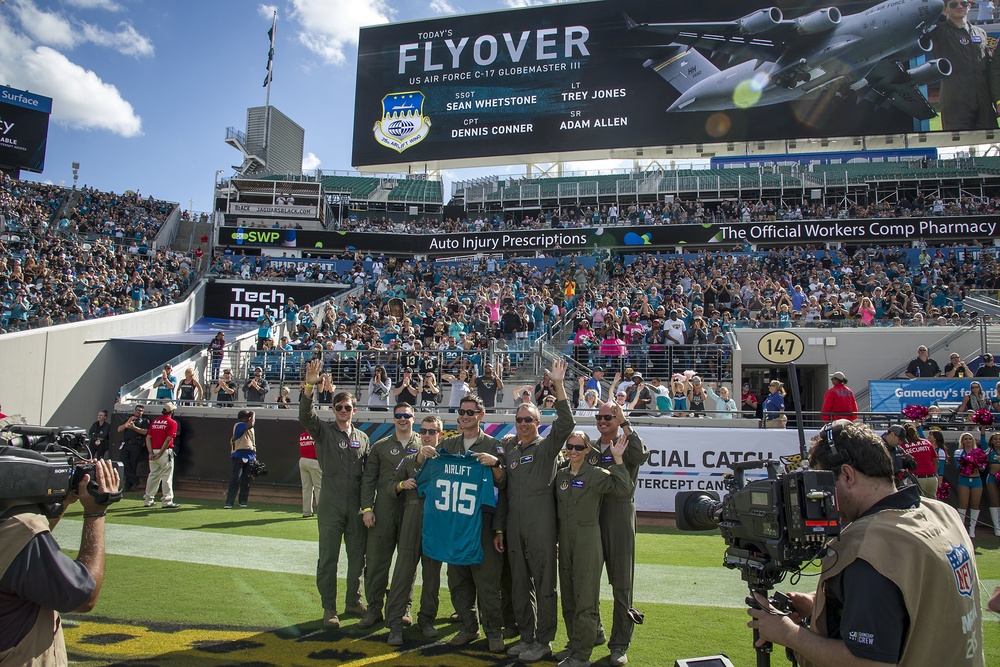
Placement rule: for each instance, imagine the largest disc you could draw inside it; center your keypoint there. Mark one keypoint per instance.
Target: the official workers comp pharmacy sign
(584, 78)
(24, 128)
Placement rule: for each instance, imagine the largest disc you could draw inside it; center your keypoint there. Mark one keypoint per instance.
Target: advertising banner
(282, 211)
(592, 77)
(681, 459)
(779, 232)
(894, 395)
(24, 129)
(238, 300)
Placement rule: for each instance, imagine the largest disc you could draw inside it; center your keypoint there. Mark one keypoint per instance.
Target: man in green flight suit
(467, 582)
(381, 507)
(410, 553)
(531, 521)
(618, 524)
(341, 450)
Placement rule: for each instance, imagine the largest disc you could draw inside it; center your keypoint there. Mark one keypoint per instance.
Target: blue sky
(144, 89)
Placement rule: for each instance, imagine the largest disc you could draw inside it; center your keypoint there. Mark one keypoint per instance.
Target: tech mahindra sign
(247, 300)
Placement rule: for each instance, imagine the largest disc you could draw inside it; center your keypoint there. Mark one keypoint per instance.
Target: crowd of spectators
(70, 255)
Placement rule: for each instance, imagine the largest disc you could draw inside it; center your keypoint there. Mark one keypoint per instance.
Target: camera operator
(38, 581)
(133, 447)
(898, 586)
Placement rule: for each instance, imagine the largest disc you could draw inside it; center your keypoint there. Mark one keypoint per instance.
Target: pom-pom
(970, 463)
(983, 417)
(944, 490)
(688, 375)
(916, 412)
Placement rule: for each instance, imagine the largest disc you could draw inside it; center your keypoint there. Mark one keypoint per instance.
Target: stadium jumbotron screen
(24, 129)
(580, 79)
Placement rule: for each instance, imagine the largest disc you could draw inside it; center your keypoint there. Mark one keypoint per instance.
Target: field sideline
(213, 587)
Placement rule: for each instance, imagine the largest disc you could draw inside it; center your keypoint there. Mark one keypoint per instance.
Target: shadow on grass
(108, 642)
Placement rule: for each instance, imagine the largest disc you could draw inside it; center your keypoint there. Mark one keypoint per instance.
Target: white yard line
(713, 586)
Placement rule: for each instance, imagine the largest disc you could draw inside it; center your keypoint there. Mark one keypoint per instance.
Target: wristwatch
(627, 423)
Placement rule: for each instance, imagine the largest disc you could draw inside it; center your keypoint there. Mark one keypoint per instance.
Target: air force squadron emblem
(403, 121)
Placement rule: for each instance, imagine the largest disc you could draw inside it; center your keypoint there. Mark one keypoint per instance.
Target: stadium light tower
(76, 173)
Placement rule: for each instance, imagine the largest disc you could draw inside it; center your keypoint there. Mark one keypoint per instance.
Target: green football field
(205, 586)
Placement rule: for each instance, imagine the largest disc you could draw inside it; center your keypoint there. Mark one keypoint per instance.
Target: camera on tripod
(771, 526)
(41, 465)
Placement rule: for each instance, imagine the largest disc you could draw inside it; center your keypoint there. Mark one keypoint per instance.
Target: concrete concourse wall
(62, 375)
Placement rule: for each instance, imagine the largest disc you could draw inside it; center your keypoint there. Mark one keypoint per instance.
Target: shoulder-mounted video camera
(772, 526)
(41, 465)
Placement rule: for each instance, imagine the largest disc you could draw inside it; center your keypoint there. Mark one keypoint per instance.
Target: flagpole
(270, 77)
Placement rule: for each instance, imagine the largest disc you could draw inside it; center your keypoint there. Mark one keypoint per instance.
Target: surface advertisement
(592, 77)
(779, 232)
(24, 129)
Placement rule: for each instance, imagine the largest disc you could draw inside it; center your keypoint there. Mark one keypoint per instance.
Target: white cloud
(443, 7)
(517, 4)
(267, 11)
(107, 5)
(81, 99)
(126, 41)
(45, 27)
(310, 162)
(54, 29)
(328, 26)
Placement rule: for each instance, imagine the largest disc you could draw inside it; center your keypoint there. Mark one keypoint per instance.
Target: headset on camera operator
(38, 581)
(898, 586)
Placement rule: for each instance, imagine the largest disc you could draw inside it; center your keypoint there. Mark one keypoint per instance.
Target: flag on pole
(270, 53)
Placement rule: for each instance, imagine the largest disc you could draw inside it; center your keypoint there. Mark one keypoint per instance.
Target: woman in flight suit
(579, 489)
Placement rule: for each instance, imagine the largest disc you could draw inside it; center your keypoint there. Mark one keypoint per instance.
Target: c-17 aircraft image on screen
(781, 60)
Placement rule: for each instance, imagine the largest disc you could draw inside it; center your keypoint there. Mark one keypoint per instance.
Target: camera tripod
(761, 583)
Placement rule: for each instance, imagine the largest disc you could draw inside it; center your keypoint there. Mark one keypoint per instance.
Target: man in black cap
(988, 369)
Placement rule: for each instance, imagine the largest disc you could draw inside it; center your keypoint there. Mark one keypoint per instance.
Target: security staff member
(898, 586)
(381, 507)
(467, 582)
(409, 551)
(579, 490)
(38, 581)
(133, 447)
(531, 522)
(341, 450)
(966, 99)
(618, 525)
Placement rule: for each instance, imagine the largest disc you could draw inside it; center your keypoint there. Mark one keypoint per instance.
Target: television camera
(771, 526)
(41, 465)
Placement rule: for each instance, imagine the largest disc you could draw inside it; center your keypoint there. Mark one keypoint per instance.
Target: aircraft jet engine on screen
(781, 60)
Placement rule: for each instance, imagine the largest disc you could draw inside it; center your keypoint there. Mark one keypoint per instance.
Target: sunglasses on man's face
(604, 417)
(403, 415)
(956, 5)
(467, 413)
(343, 408)
(429, 431)
(577, 448)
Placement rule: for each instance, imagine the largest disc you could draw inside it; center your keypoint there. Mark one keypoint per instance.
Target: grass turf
(167, 612)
